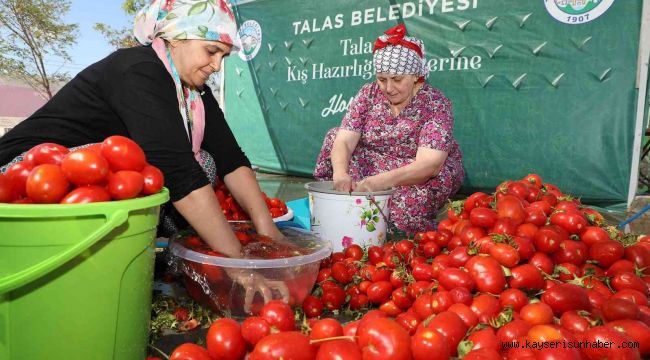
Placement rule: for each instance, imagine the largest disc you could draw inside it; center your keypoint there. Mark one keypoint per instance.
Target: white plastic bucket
(348, 218)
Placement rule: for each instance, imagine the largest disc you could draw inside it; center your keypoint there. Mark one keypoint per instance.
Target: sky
(91, 45)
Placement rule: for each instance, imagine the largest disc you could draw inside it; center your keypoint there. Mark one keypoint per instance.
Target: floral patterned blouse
(388, 142)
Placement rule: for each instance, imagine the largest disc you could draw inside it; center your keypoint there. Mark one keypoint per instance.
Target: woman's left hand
(372, 183)
(273, 232)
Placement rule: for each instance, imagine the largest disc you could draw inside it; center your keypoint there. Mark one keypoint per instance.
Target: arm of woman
(144, 98)
(434, 141)
(202, 210)
(344, 144)
(234, 167)
(244, 188)
(348, 137)
(427, 164)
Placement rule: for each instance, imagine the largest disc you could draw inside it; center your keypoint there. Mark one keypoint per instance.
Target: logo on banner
(250, 34)
(577, 11)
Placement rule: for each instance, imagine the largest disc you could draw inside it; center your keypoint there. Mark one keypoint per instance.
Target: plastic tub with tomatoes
(269, 269)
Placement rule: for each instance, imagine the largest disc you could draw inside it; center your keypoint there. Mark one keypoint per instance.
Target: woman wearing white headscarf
(155, 94)
(397, 133)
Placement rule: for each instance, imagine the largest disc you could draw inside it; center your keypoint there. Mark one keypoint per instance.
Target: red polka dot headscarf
(398, 54)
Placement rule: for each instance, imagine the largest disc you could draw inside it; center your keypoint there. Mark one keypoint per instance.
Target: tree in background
(122, 38)
(32, 31)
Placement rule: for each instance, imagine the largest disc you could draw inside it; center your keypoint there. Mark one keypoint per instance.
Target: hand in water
(343, 183)
(254, 283)
(370, 184)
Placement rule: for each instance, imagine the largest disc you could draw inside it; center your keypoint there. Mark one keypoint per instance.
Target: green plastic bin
(75, 280)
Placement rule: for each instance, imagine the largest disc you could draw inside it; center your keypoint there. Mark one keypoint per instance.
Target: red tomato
(422, 272)
(559, 353)
(487, 274)
(471, 234)
(639, 254)
(87, 194)
(153, 180)
(340, 273)
(543, 262)
(534, 180)
(628, 280)
(401, 298)
(254, 329)
(441, 301)
(451, 326)
(325, 328)
(632, 295)
(619, 309)
(422, 306)
(566, 297)
(190, 351)
(46, 184)
(547, 239)
(505, 254)
(606, 252)
(604, 334)
(483, 354)
(312, 306)
(504, 226)
(8, 191)
(526, 276)
(84, 167)
(278, 315)
(375, 254)
(511, 207)
(572, 221)
(46, 153)
(338, 350)
(284, 345)
(383, 339)
(409, 321)
(354, 252)
(537, 313)
(125, 184)
(575, 322)
(573, 252)
(123, 153)
(453, 277)
(225, 341)
(541, 205)
(18, 174)
(512, 331)
(429, 344)
(483, 217)
(465, 313)
(514, 298)
(636, 330)
(379, 291)
(593, 234)
(333, 297)
(390, 308)
(486, 307)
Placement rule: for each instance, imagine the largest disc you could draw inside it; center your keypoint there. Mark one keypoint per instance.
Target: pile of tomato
(233, 211)
(115, 169)
(524, 273)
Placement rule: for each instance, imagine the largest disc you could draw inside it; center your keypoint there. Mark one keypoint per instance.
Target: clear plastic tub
(240, 287)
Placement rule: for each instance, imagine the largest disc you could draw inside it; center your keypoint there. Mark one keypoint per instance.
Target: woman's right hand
(343, 182)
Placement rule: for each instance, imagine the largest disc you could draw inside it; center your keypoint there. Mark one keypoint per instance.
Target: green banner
(545, 86)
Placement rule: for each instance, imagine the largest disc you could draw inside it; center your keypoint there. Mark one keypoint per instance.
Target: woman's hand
(372, 183)
(254, 283)
(343, 182)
